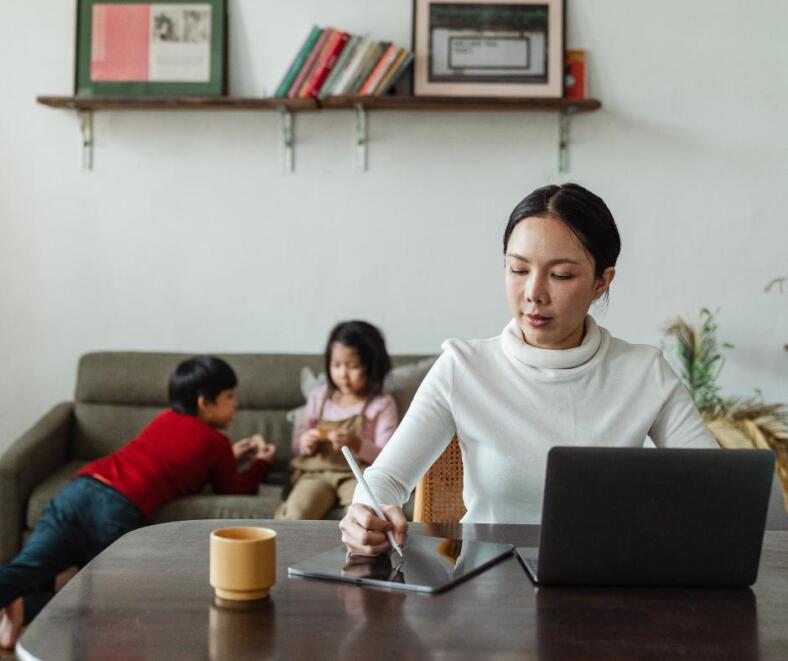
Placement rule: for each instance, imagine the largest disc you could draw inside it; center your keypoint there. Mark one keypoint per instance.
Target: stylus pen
(357, 472)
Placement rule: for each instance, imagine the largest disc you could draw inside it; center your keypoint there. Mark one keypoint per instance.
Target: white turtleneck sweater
(509, 403)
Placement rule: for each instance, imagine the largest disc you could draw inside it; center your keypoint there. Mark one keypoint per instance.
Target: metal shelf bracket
(288, 149)
(564, 119)
(362, 138)
(86, 127)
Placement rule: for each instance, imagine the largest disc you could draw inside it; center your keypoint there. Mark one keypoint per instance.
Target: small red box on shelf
(575, 70)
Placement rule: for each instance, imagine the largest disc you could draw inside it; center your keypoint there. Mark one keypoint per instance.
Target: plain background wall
(187, 237)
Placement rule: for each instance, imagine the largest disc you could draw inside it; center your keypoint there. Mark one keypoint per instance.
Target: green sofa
(117, 394)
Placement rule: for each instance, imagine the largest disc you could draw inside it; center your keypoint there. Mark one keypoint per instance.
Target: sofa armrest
(24, 463)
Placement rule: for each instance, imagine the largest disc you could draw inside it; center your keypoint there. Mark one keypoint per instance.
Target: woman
(553, 377)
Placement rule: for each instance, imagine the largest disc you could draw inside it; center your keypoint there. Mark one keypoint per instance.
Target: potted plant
(739, 422)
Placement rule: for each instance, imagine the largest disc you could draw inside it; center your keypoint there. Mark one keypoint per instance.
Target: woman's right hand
(364, 533)
(308, 442)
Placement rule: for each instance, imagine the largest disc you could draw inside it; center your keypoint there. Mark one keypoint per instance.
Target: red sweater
(175, 455)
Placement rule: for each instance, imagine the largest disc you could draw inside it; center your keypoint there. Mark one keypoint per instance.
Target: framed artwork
(487, 48)
(150, 48)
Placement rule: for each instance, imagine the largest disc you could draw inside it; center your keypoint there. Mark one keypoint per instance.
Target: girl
(350, 410)
(553, 377)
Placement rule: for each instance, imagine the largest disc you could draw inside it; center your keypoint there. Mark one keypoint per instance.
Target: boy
(177, 454)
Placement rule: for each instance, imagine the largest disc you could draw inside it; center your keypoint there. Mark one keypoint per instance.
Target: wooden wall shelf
(86, 106)
(176, 103)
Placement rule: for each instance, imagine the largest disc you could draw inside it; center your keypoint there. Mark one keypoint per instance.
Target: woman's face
(550, 282)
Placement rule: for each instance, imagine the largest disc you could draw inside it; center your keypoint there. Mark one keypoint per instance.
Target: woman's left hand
(340, 438)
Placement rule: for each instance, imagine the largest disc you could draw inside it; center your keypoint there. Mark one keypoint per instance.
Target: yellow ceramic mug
(243, 562)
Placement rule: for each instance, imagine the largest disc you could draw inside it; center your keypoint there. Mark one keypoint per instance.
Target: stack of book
(335, 63)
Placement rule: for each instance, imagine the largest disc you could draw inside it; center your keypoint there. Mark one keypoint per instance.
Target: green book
(339, 67)
(298, 62)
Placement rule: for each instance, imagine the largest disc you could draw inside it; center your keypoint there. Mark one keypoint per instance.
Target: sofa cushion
(210, 506)
(140, 378)
(274, 427)
(47, 489)
(100, 429)
(137, 378)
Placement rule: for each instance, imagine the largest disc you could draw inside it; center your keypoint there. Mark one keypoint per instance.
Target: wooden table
(147, 597)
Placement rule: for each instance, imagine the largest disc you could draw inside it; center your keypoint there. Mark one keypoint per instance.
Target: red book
(575, 85)
(309, 64)
(324, 64)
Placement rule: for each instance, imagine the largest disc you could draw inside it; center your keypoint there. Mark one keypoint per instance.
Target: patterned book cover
(151, 43)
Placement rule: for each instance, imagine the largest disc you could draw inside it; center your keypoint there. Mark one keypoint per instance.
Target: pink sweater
(380, 421)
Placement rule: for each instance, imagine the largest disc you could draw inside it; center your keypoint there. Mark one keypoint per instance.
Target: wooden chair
(439, 492)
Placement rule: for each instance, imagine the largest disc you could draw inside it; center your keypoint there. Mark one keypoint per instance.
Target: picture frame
(151, 48)
(489, 48)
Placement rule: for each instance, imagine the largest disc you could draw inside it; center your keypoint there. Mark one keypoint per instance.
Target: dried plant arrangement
(739, 422)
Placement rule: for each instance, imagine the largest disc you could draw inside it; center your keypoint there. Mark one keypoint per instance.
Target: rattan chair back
(439, 492)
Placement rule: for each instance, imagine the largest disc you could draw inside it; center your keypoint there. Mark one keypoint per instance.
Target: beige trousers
(316, 492)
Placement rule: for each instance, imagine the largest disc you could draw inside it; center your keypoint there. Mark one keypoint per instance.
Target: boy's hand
(244, 447)
(340, 438)
(266, 452)
(309, 441)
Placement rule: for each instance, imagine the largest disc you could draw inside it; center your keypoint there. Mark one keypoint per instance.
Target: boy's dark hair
(584, 213)
(201, 375)
(371, 347)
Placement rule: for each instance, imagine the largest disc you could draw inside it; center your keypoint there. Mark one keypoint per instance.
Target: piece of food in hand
(259, 441)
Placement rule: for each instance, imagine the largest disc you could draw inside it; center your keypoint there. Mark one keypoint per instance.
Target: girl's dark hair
(584, 213)
(201, 375)
(371, 347)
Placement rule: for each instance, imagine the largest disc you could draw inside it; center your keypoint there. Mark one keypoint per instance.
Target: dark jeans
(77, 524)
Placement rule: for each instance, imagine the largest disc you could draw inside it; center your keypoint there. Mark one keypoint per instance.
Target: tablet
(431, 564)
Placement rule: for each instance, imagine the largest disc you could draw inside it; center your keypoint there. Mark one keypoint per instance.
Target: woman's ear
(603, 282)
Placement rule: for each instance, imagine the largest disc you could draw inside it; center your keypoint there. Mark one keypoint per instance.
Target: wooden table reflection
(147, 597)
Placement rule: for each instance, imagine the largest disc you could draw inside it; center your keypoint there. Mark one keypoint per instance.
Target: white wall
(187, 237)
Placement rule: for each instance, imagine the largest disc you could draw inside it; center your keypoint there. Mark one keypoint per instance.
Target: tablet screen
(430, 564)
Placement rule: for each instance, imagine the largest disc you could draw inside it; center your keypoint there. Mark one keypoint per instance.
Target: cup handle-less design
(243, 563)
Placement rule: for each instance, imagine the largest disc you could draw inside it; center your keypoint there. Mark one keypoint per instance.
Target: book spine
(379, 71)
(346, 77)
(298, 62)
(339, 68)
(317, 63)
(367, 66)
(334, 49)
(310, 61)
(394, 72)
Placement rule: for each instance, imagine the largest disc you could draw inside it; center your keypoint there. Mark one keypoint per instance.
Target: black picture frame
(535, 64)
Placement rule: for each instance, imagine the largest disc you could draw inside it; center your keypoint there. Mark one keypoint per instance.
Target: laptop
(646, 517)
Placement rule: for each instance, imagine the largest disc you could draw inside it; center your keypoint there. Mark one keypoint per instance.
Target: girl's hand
(244, 447)
(340, 438)
(308, 442)
(364, 533)
(266, 452)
